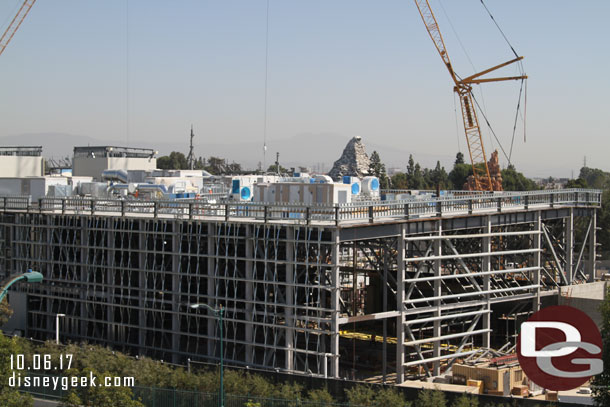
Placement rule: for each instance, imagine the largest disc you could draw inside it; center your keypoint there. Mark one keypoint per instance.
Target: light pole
(218, 312)
(29, 276)
(57, 327)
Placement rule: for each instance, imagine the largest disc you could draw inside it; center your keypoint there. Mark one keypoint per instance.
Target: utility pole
(191, 157)
(277, 163)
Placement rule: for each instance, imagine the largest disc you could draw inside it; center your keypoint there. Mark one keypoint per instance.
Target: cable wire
(490, 128)
(512, 141)
(266, 80)
(501, 32)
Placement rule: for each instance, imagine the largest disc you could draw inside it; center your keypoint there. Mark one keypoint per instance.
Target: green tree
(577, 183)
(465, 401)
(431, 398)
(71, 400)
(10, 396)
(175, 161)
(410, 166)
(320, 396)
(417, 181)
(439, 177)
(459, 174)
(273, 169)
(5, 311)
(459, 159)
(512, 180)
(360, 395)
(415, 175)
(399, 181)
(389, 398)
(595, 177)
(377, 168)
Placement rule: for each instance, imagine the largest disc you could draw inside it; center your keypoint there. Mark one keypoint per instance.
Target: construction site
(349, 290)
(326, 275)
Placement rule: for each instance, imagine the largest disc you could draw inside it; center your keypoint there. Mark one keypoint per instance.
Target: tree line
(416, 177)
(104, 362)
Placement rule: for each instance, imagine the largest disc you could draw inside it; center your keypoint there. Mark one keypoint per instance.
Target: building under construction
(345, 290)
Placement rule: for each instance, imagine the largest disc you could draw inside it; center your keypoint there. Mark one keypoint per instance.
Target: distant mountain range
(316, 151)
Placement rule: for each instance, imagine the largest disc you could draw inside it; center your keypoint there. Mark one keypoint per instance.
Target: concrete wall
(20, 166)
(585, 297)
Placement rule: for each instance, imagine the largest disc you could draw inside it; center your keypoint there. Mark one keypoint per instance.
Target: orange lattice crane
(14, 25)
(463, 87)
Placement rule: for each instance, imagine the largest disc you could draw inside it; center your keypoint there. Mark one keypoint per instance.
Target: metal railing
(355, 212)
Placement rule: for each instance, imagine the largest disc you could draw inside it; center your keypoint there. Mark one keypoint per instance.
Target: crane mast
(463, 88)
(15, 23)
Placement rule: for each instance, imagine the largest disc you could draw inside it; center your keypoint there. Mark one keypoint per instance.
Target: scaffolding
(410, 288)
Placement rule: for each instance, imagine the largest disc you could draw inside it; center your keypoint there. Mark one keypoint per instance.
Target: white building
(18, 162)
(92, 161)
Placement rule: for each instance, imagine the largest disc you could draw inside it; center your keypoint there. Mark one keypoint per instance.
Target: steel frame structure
(290, 289)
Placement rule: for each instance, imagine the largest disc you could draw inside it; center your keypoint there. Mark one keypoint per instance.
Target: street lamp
(218, 312)
(29, 277)
(57, 327)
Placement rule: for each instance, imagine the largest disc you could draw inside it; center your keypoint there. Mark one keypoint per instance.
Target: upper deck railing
(350, 213)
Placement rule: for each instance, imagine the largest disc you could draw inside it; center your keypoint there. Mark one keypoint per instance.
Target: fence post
(40, 205)
(308, 214)
(92, 206)
(470, 206)
(552, 200)
(123, 203)
(226, 212)
(370, 213)
(63, 205)
(190, 210)
(527, 202)
(4, 199)
(499, 203)
(155, 208)
(407, 211)
(439, 208)
(265, 213)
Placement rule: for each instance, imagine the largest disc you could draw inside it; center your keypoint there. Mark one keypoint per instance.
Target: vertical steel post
(569, 246)
(222, 372)
(590, 265)
(485, 267)
(335, 306)
(400, 296)
(436, 330)
(536, 259)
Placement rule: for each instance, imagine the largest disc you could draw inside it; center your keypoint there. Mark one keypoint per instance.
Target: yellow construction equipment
(14, 25)
(463, 88)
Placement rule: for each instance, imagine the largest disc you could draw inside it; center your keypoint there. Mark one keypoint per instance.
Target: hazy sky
(142, 71)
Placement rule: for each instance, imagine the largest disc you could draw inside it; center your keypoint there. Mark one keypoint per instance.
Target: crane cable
(266, 87)
(490, 128)
(499, 29)
(512, 141)
(522, 72)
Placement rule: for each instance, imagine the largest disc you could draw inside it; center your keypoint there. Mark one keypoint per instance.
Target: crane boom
(463, 87)
(14, 25)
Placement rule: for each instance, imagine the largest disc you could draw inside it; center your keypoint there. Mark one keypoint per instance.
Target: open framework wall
(128, 283)
(293, 292)
(448, 288)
